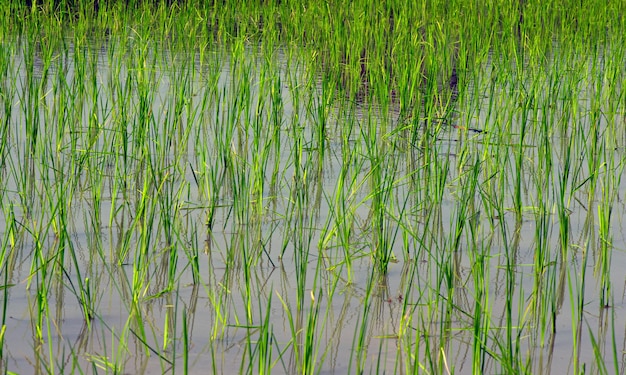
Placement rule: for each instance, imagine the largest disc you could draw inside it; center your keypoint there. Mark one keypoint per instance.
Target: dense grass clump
(306, 187)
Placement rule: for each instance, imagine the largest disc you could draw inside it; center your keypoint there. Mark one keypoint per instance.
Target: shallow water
(138, 176)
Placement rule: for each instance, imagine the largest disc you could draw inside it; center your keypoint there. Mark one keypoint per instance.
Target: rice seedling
(271, 187)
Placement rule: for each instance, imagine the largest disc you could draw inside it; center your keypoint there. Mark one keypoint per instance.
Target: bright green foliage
(312, 186)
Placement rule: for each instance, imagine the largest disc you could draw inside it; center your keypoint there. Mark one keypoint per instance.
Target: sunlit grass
(271, 187)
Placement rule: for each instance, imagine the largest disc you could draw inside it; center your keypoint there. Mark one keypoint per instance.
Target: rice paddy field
(312, 187)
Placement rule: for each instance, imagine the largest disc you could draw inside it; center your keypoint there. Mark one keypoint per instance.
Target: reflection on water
(239, 199)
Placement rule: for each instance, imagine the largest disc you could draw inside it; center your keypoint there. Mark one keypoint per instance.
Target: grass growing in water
(230, 189)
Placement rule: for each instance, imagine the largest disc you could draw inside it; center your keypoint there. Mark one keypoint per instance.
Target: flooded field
(336, 188)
